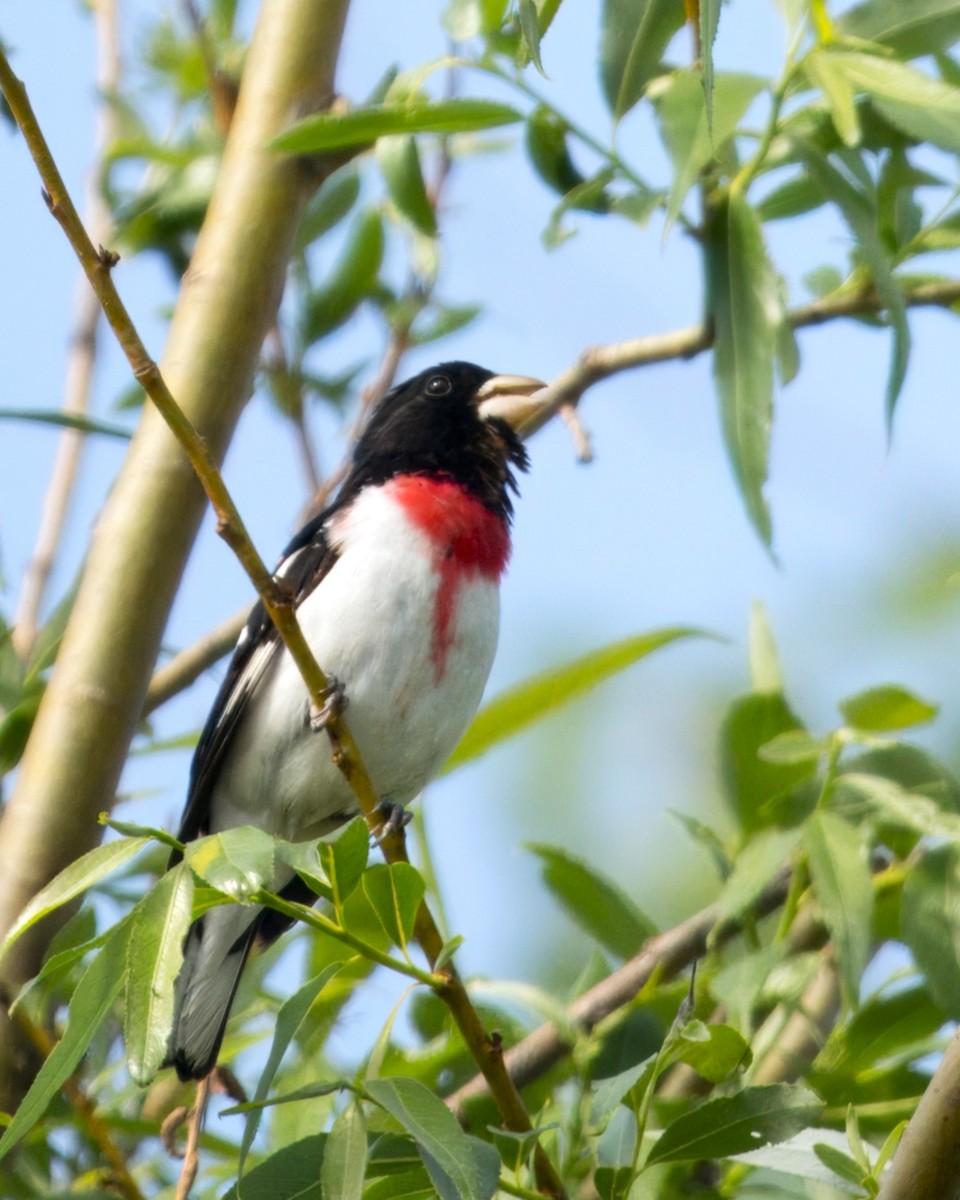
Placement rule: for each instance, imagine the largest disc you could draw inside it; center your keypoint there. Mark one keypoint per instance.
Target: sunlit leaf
(919, 27)
(337, 130)
(887, 708)
(83, 873)
(520, 706)
(237, 862)
(396, 891)
(67, 421)
(692, 142)
(158, 925)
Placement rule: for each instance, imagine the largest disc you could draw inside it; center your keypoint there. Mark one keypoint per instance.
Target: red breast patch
(469, 541)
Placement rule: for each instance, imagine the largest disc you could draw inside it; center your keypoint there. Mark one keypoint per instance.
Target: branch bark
(228, 302)
(926, 1165)
(663, 956)
(598, 363)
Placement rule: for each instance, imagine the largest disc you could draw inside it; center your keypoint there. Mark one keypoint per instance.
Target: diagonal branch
(228, 302)
(598, 363)
(663, 956)
(97, 264)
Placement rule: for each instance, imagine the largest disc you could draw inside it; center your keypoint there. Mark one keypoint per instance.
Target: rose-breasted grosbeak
(396, 586)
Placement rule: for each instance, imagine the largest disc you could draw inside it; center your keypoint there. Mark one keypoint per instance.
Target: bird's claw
(334, 704)
(395, 819)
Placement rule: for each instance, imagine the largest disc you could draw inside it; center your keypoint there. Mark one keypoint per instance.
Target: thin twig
(187, 666)
(598, 363)
(664, 956)
(81, 352)
(191, 1155)
(97, 264)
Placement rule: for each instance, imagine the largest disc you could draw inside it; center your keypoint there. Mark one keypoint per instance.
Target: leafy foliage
(835, 847)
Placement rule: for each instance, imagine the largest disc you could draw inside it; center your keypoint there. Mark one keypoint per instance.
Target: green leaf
(730, 1125)
(237, 862)
(396, 891)
(66, 421)
(709, 23)
(692, 142)
(766, 674)
(345, 858)
(913, 29)
(859, 210)
(886, 708)
(755, 866)
(714, 1051)
(399, 162)
(91, 1004)
(292, 1173)
(360, 126)
(45, 648)
(930, 923)
(338, 194)
(530, 28)
(745, 304)
(793, 748)
(461, 1167)
(634, 36)
(826, 73)
(344, 1164)
(839, 1163)
(158, 925)
(837, 854)
(791, 199)
(84, 873)
(349, 282)
(293, 1012)
(923, 108)
(520, 706)
(596, 903)
(749, 781)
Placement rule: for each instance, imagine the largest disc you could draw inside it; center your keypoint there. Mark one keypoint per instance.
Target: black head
(455, 421)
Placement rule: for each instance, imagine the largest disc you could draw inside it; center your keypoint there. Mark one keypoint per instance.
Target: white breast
(370, 623)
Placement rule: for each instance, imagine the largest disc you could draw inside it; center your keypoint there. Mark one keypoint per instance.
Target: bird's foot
(395, 819)
(334, 705)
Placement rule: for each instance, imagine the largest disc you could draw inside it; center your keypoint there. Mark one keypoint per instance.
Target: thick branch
(663, 956)
(926, 1165)
(229, 299)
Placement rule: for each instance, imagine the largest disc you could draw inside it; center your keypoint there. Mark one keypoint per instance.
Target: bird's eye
(438, 385)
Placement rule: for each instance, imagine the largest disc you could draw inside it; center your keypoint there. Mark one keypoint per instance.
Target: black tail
(213, 956)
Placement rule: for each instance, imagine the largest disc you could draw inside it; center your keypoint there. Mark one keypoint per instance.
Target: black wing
(302, 565)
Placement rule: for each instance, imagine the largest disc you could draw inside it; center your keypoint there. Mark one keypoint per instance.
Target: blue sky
(651, 534)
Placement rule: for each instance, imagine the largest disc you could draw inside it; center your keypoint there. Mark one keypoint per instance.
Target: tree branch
(186, 667)
(664, 956)
(926, 1165)
(597, 363)
(228, 301)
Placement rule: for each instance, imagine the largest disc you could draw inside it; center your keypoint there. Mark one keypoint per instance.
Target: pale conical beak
(512, 398)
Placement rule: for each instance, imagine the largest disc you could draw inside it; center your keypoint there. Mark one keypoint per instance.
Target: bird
(396, 589)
